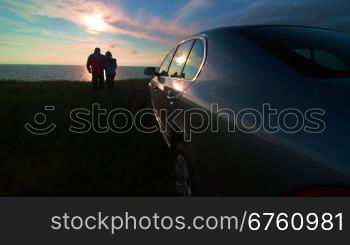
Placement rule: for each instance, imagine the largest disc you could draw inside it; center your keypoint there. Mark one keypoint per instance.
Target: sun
(95, 22)
(180, 59)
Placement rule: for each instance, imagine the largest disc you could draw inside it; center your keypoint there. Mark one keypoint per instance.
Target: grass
(67, 164)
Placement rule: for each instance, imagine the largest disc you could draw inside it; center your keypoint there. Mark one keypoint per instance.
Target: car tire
(185, 181)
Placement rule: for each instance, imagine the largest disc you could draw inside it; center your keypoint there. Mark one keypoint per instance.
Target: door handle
(171, 96)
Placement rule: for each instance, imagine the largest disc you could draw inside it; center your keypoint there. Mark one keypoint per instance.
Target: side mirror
(151, 71)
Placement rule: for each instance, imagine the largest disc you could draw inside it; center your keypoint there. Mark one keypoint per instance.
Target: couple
(97, 64)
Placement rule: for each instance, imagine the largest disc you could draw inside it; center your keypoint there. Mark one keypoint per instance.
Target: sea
(62, 73)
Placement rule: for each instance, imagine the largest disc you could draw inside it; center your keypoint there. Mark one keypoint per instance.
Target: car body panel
(238, 74)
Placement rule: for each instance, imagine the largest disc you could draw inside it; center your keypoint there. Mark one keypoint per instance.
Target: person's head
(97, 51)
(108, 54)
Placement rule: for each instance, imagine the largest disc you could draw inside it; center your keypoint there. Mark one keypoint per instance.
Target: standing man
(96, 64)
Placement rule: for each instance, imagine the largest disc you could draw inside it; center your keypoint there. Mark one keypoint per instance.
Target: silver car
(257, 111)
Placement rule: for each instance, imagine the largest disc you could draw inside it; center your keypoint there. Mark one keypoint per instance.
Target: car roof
(251, 27)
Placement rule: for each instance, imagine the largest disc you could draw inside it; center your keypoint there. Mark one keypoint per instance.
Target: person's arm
(88, 64)
(116, 64)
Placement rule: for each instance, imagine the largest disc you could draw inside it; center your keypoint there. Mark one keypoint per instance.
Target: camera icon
(40, 119)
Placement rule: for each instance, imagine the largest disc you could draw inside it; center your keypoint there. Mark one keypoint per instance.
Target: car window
(180, 59)
(317, 53)
(328, 60)
(194, 60)
(322, 58)
(307, 53)
(163, 70)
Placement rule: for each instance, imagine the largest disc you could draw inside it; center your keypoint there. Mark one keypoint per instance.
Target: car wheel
(185, 185)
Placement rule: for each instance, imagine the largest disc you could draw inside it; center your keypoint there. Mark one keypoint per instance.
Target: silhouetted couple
(98, 64)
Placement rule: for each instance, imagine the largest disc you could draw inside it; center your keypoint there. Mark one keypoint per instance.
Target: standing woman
(111, 67)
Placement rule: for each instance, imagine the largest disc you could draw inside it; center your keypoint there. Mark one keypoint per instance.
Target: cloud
(98, 16)
(134, 52)
(330, 14)
(189, 8)
(114, 45)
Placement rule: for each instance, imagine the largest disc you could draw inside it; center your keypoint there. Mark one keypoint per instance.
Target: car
(278, 97)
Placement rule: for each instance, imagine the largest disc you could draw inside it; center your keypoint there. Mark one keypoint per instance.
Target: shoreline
(65, 81)
(62, 73)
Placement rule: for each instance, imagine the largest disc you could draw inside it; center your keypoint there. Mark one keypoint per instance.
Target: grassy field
(67, 164)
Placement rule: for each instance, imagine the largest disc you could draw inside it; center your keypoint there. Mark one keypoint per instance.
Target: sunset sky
(139, 32)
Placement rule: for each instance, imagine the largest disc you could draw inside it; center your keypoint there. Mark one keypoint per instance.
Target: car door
(174, 84)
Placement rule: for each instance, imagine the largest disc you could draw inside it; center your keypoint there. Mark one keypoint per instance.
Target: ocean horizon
(28, 72)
